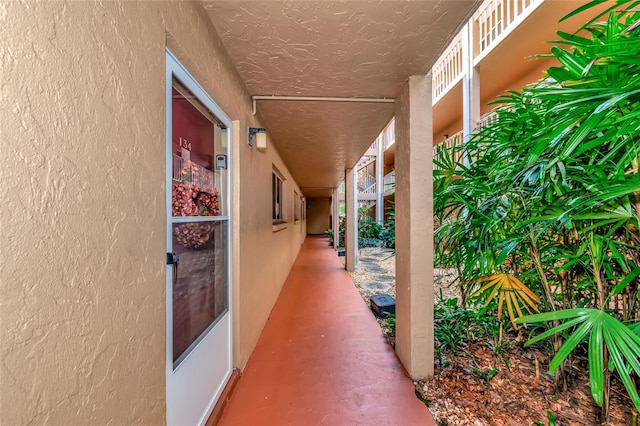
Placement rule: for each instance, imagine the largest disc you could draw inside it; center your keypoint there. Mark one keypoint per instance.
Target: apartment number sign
(184, 144)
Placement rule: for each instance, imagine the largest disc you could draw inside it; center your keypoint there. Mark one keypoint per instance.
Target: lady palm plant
(549, 200)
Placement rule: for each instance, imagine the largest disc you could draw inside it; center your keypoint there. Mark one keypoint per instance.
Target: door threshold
(225, 396)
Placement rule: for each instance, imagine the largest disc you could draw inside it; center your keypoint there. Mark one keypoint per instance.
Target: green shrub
(369, 229)
(329, 233)
(388, 231)
(455, 326)
(544, 200)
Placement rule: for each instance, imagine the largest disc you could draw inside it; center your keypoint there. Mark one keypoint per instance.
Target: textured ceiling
(336, 49)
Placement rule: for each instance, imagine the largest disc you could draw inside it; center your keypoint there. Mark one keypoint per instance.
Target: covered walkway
(322, 359)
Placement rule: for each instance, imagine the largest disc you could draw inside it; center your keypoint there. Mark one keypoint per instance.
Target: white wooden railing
(447, 69)
(456, 139)
(495, 18)
(491, 23)
(389, 182)
(389, 134)
(488, 118)
(366, 182)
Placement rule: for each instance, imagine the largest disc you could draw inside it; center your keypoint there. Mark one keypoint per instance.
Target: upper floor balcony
(493, 54)
(519, 27)
(447, 70)
(493, 21)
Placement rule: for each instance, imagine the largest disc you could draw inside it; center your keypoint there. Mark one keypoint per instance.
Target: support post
(414, 227)
(351, 222)
(335, 217)
(470, 84)
(380, 181)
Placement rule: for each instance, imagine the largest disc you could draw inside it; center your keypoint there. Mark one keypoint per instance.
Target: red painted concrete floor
(322, 359)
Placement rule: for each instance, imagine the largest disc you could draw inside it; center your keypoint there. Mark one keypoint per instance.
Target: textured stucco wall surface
(318, 216)
(82, 213)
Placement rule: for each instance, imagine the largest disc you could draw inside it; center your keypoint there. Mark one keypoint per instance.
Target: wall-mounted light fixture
(258, 135)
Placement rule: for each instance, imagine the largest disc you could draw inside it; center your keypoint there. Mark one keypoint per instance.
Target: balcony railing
(366, 182)
(389, 134)
(488, 118)
(390, 182)
(456, 139)
(495, 18)
(374, 145)
(447, 69)
(491, 23)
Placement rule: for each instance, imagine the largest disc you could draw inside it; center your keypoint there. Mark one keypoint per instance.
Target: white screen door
(198, 249)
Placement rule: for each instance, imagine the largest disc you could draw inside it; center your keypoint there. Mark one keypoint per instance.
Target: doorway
(198, 249)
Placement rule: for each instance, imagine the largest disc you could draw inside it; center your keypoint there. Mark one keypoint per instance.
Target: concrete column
(351, 223)
(414, 227)
(470, 84)
(380, 181)
(335, 217)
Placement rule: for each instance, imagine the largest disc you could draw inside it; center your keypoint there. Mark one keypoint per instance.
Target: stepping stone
(382, 254)
(374, 269)
(384, 278)
(367, 260)
(373, 286)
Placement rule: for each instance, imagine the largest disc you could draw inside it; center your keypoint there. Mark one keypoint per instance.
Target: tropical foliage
(541, 210)
(370, 233)
(373, 234)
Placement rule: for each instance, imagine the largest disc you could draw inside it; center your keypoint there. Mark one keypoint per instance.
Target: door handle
(172, 259)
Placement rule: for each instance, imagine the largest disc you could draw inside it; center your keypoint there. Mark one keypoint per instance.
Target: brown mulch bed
(520, 393)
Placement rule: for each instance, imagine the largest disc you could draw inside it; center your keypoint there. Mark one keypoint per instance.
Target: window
(296, 206)
(277, 198)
